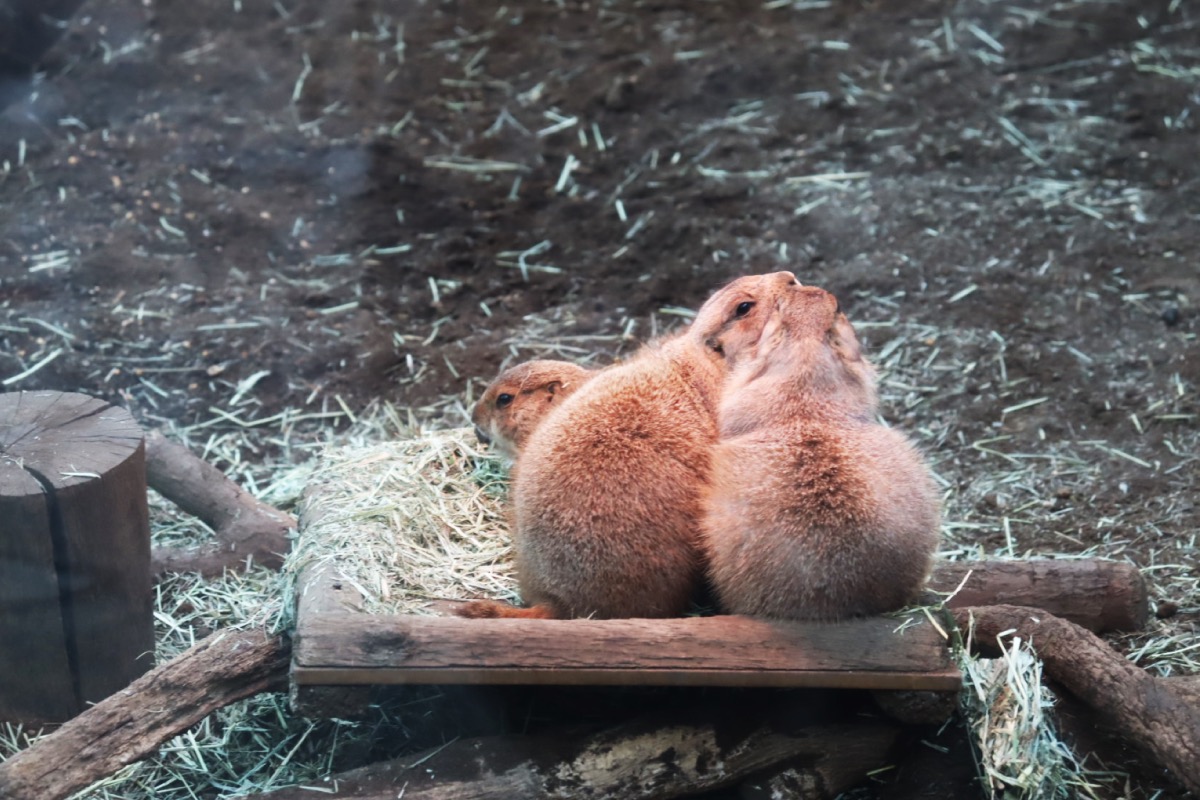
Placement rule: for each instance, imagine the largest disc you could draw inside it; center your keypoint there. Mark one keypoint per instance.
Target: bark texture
(247, 530)
(133, 723)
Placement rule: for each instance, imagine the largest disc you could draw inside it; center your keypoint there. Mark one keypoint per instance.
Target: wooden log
(1186, 686)
(707, 651)
(1102, 596)
(1145, 710)
(130, 725)
(247, 530)
(74, 477)
(844, 765)
(647, 759)
(917, 708)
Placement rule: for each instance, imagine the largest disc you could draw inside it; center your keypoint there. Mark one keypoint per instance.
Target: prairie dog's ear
(553, 387)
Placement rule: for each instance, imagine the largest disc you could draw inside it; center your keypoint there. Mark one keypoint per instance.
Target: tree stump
(76, 613)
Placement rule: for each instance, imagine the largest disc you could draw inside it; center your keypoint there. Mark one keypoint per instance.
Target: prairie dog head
(814, 348)
(516, 401)
(742, 314)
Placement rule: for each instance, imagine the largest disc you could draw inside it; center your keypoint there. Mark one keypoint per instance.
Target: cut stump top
(60, 439)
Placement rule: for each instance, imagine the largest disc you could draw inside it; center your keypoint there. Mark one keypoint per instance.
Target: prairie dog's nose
(482, 436)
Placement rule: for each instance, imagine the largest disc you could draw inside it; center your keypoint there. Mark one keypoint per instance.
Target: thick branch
(1186, 686)
(133, 723)
(1100, 595)
(246, 528)
(1146, 710)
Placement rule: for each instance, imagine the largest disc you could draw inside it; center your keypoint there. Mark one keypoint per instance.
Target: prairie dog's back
(816, 510)
(609, 489)
(598, 436)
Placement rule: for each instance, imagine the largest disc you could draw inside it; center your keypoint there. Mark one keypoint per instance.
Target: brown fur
(609, 488)
(517, 400)
(816, 511)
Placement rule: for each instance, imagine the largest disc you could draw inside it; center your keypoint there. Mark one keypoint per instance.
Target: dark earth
(258, 218)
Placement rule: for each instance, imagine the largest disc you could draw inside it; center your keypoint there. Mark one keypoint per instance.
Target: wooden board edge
(946, 680)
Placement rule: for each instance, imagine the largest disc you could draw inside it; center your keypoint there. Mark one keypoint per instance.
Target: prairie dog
(516, 401)
(608, 491)
(816, 511)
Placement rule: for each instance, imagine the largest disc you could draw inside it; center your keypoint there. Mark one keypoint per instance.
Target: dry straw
(409, 521)
(1006, 709)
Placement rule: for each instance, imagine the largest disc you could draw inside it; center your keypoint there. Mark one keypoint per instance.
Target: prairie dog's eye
(504, 400)
(743, 309)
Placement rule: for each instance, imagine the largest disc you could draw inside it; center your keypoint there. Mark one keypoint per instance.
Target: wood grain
(709, 651)
(1102, 596)
(31, 625)
(132, 724)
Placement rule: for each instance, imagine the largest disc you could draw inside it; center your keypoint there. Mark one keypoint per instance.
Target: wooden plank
(321, 591)
(700, 651)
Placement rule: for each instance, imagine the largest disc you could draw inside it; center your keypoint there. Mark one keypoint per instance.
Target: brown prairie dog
(816, 511)
(608, 490)
(517, 400)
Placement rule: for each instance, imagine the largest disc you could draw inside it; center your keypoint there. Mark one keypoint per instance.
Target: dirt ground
(258, 217)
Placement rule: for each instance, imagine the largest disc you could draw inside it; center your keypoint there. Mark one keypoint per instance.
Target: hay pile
(1018, 752)
(409, 521)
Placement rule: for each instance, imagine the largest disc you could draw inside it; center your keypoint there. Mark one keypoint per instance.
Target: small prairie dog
(517, 400)
(609, 488)
(816, 511)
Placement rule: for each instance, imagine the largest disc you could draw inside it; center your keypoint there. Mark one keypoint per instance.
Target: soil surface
(251, 219)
